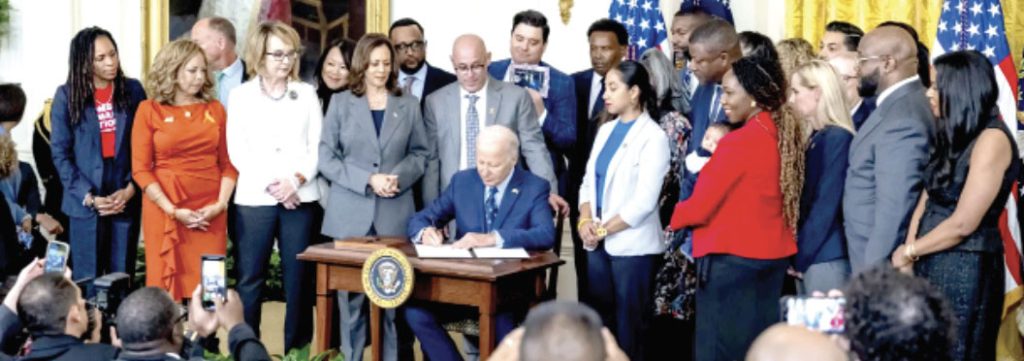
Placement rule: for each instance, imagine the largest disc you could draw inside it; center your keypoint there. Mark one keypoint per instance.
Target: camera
(111, 289)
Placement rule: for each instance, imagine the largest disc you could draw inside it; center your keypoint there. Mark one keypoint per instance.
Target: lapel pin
(293, 95)
(169, 120)
(493, 111)
(515, 190)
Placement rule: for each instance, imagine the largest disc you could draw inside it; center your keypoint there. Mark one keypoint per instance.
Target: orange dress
(184, 150)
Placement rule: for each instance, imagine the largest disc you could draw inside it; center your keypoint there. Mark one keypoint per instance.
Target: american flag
(643, 21)
(978, 25)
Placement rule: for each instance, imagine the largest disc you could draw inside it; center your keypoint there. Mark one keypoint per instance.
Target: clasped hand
(588, 233)
(115, 203)
(285, 191)
(384, 185)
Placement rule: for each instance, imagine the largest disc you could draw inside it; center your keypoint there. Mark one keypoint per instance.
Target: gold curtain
(807, 18)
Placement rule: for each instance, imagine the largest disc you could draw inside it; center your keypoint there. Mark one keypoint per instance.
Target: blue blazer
(867, 106)
(560, 125)
(78, 154)
(700, 113)
(524, 217)
(820, 234)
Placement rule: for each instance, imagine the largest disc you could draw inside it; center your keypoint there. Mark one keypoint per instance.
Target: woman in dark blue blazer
(92, 117)
(817, 97)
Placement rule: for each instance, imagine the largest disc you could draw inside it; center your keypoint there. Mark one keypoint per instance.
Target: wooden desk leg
(324, 308)
(487, 311)
(376, 332)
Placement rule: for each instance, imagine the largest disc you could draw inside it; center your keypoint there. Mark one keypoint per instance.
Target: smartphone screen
(816, 313)
(214, 282)
(56, 256)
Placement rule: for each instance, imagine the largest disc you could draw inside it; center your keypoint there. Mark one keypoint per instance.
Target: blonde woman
(273, 133)
(816, 95)
(180, 161)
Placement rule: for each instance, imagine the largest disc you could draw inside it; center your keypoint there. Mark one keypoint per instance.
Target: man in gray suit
(889, 152)
(456, 113)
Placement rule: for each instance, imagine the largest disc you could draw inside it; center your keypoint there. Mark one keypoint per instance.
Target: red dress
(736, 206)
(184, 150)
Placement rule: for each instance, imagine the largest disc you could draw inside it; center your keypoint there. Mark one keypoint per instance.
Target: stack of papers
(447, 251)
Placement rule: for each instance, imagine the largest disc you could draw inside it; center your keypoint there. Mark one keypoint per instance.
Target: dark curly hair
(968, 93)
(891, 316)
(765, 81)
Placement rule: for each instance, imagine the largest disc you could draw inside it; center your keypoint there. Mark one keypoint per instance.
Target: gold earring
(753, 104)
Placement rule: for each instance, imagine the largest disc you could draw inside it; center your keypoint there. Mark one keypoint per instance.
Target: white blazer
(271, 139)
(632, 188)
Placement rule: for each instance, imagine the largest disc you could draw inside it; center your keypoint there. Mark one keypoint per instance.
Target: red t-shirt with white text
(108, 123)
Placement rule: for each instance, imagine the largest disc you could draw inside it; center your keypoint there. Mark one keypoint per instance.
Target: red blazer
(736, 206)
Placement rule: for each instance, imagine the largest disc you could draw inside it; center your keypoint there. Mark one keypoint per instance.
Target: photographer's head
(147, 321)
(893, 316)
(52, 304)
(561, 330)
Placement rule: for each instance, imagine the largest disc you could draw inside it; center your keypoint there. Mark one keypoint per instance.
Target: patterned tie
(491, 207)
(716, 104)
(684, 75)
(472, 128)
(407, 88)
(599, 103)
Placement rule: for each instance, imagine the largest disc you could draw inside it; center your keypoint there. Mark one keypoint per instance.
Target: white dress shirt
(885, 93)
(231, 80)
(481, 112)
(273, 139)
(418, 84)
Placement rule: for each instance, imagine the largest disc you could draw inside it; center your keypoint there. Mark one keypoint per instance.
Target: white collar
(420, 75)
(888, 91)
(234, 68)
(504, 184)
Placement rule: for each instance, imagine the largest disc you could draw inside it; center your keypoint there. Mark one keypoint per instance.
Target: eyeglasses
(281, 55)
(862, 60)
(414, 46)
(463, 69)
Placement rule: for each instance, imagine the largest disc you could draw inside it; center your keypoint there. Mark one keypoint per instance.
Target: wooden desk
(483, 284)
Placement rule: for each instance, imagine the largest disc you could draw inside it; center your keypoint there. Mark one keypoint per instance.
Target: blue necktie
(684, 75)
(491, 207)
(472, 128)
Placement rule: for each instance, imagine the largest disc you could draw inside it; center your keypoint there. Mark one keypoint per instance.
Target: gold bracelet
(601, 232)
(583, 222)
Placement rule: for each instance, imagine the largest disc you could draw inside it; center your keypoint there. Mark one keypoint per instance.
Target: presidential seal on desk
(387, 278)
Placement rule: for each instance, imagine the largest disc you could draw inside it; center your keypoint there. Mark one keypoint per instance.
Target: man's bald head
(793, 343)
(889, 55)
(470, 60)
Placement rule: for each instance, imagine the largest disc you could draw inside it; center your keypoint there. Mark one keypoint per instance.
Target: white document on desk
(445, 251)
(495, 252)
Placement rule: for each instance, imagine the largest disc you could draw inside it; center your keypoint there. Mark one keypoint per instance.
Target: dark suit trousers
(737, 298)
(103, 245)
(622, 290)
(425, 319)
(257, 227)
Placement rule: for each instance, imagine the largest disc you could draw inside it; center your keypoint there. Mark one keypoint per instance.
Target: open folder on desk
(447, 251)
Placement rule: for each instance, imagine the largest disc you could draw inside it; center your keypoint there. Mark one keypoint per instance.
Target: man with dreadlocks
(91, 117)
(744, 211)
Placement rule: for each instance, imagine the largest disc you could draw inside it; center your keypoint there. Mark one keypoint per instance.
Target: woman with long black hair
(954, 240)
(618, 206)
(92, 118)
(744, 211)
